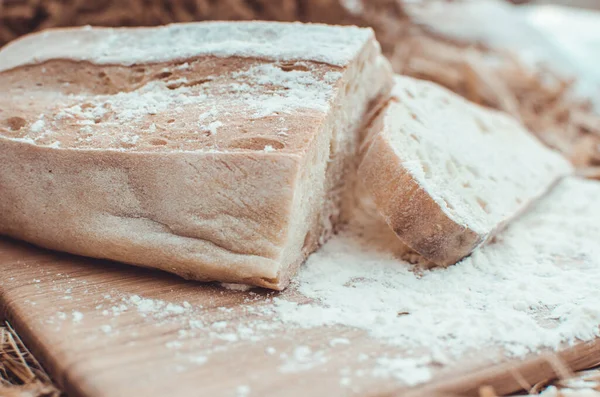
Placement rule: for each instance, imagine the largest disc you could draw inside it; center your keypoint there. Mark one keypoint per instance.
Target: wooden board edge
(514, 376)
(36, 347)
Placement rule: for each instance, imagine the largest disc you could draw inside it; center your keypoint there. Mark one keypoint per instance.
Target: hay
(21, 375)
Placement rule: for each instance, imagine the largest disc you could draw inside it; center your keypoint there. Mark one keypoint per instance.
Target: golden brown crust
(409, 210)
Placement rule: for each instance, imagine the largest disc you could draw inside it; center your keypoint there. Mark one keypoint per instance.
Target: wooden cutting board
(100, 330)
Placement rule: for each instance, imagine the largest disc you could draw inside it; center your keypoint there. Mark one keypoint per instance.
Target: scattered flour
(339, 341)
(196, 324)
(302, 89)
(580, 383)
(536, 286)
(409, 371)
(212, 113)
(236, 287)
(270, 350)
(77, 316)
(220, 325)
(155, 308)
(228, 337)
(199, 360)
(38, 126)
(552, 391)
(174, 344)
(302, 358)
(120, 121)
(212, 127)
(152, 98)
(242, 391)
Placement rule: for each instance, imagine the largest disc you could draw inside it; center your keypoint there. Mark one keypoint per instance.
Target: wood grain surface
(79, 316)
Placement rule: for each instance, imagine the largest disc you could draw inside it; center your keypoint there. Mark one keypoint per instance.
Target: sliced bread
(217, 151)
(447, 174)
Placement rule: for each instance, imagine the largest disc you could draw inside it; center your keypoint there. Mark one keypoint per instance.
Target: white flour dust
(536, 286)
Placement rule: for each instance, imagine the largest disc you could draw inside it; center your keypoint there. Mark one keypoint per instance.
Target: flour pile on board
(536, 286)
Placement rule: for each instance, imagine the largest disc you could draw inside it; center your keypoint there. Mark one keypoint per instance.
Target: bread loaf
(447, 173)
(216, 151)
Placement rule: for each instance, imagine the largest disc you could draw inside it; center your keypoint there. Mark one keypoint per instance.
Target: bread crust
(408, 209)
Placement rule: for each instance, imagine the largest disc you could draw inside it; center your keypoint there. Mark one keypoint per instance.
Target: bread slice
(217, 151)
(447, 174)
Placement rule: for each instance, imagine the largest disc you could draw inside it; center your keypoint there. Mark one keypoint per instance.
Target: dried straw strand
(21, 374)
